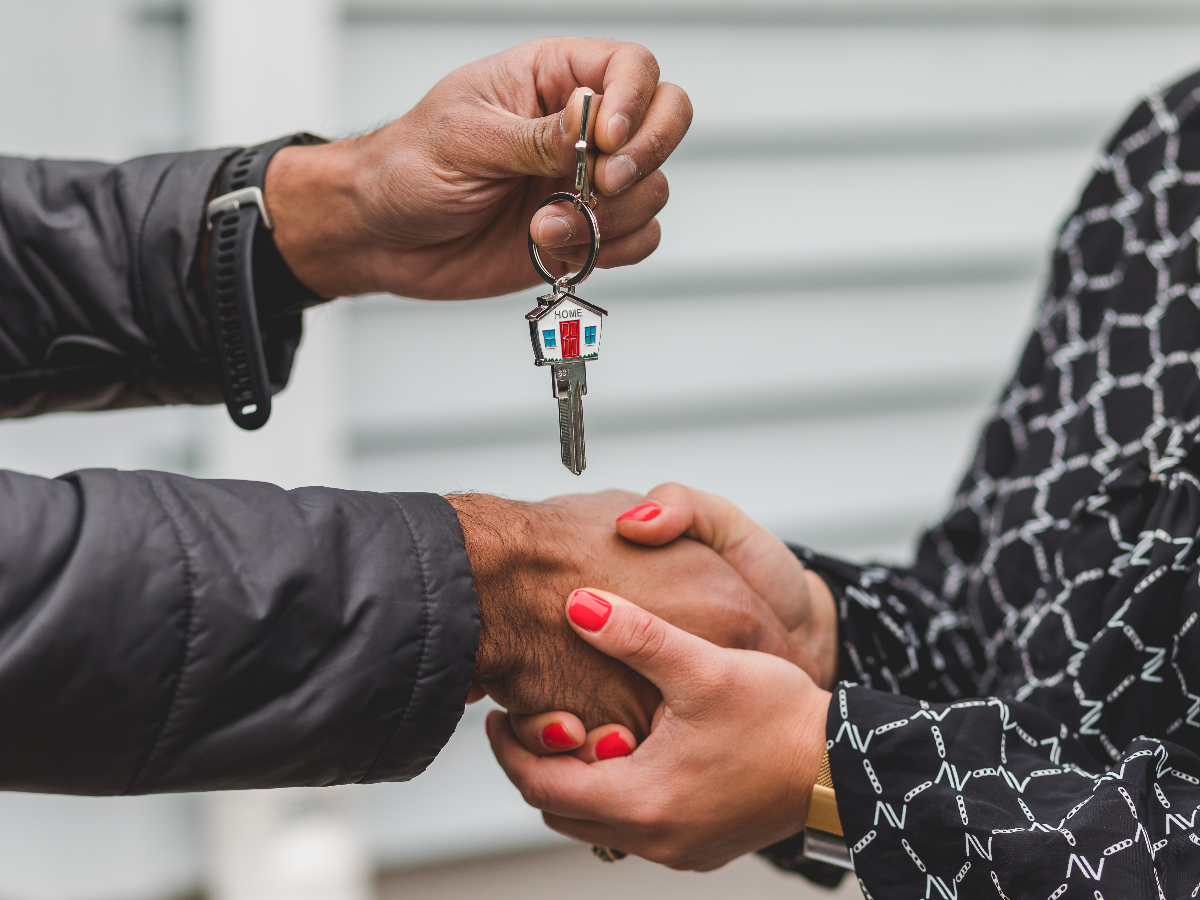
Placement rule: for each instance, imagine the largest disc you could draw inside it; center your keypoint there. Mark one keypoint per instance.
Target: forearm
(510, 561)
(99, 290)
(159, 633)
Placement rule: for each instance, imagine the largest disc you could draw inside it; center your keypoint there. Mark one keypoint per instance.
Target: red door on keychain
(569, 334)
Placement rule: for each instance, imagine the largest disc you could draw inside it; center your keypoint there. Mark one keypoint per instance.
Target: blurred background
(853, 247)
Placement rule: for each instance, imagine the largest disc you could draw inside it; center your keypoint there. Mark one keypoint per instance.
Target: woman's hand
(437, 204)
(728, 767)
(799, 597)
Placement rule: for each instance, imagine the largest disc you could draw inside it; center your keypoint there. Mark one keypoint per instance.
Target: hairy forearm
(511, 562)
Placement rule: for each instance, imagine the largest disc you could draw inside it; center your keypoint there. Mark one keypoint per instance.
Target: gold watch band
(822, 807)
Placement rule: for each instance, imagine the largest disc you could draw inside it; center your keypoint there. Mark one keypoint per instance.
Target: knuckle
(534, 793)
(742, 625)
(645, 638)
(647, 817)
(711, 682)
(677, 858)
(657, 189)
(645, 243)
(541, 145)
(671, 491)
(647, 62)
(667, 852)
(679, 98)
(656, 149)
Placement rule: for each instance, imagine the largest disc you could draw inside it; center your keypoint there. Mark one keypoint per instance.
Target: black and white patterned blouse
(1024, 717)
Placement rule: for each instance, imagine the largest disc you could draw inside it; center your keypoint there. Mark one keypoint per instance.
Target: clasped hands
(665, 665)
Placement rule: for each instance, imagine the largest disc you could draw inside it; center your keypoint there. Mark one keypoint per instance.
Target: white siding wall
(874, 182)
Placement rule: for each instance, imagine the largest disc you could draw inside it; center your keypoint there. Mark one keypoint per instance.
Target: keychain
(564, 328)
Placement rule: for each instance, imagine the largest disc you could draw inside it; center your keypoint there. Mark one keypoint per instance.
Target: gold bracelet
(608, 854)
(822, 807)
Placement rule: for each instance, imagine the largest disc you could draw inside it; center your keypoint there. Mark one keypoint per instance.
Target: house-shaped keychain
(565, 332)
(564, 328)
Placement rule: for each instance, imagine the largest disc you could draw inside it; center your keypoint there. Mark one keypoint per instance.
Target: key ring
(593, 253)
(583, 200)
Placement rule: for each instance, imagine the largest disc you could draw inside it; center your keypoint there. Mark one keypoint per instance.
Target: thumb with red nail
(672, 800)
(798, 596)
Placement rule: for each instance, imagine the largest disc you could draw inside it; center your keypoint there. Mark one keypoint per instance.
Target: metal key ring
(593, 252)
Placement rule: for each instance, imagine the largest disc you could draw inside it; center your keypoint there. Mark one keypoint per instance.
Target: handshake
(672, 624)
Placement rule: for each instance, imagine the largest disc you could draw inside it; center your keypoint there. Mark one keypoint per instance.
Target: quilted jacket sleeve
(100, 287)
(160, 633)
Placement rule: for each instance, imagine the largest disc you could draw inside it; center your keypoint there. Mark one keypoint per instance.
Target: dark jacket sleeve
(101, 302)
(161, 633)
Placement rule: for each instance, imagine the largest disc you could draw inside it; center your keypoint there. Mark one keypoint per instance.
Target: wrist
(809, 743)
(822, 640)
(312, 195)
(511, 559)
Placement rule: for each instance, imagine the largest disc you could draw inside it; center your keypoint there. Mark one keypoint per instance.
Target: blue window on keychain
(548, 338)
(589, 335)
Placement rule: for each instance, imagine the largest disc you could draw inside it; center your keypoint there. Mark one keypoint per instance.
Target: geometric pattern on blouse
(1024, 713)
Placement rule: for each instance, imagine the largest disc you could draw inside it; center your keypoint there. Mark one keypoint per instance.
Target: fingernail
(487, 725)
(619, 173)
(611, 746)
(562, 115)
(554, 230)
(555, 737)
(618, 131)
(588, 611)
(643, 512)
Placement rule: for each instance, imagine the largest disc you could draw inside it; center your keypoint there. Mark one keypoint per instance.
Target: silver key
(570, 384)
(565, 329)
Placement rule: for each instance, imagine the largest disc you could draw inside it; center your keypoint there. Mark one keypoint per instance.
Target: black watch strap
(237, 216)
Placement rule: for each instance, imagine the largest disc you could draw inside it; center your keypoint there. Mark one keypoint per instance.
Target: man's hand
(437, 204)
(798, 596)
(527, 557)
(728, 768)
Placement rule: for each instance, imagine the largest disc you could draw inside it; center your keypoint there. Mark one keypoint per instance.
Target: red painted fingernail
(555, 737)
(643, 512)
(612, 745)
(588, 611)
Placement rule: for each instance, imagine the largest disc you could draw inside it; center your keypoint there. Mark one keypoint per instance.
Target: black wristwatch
(242, 256)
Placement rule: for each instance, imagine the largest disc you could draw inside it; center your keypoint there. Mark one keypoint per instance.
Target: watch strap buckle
(235, 200)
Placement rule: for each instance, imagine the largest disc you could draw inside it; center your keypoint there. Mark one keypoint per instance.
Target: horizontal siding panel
(852, 11)
(866, 80)
(467, 806)
(851, 211)
(153, 438)
(414, 366)
(795, 478)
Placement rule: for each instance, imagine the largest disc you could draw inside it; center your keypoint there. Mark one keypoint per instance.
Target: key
(570, 384)
(565, 329)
